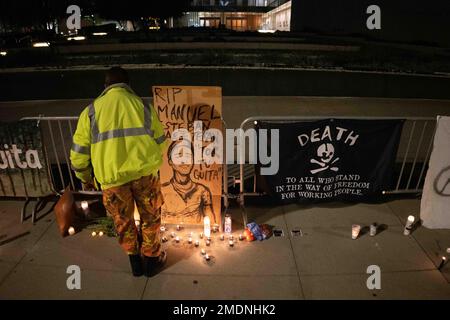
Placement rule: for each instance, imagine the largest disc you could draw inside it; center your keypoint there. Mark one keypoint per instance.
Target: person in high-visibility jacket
(120, 141)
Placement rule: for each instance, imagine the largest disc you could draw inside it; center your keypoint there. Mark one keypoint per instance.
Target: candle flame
(84, 205)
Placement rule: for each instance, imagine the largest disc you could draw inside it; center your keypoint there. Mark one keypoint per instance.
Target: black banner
(333, 160)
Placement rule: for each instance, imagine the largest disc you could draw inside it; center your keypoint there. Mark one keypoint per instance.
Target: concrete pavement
(324, 263)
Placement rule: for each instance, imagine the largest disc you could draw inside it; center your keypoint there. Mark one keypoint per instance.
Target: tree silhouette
(134, 10)
(37, 14)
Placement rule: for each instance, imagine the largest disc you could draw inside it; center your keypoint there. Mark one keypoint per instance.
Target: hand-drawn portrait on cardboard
(192, 189)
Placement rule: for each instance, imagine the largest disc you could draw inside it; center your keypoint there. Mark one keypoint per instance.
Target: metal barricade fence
(412, 157)
(57, 139)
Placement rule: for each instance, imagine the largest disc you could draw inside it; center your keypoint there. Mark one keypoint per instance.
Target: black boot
(154, 264)
(136, 265)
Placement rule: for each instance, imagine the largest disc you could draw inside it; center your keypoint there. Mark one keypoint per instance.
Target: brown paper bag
(65, 211)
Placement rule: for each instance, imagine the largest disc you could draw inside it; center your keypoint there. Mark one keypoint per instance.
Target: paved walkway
(324, 263)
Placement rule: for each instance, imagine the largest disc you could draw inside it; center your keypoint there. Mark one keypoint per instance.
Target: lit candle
(178, 227)
(164, 239)
(241, 237)
(201, 235)
(100, 234)
(231, 243)
(71, 231)
(162, 228)
(356, 228)
(408, 226)
(84, 205)
(177, 239)
(373, 229)
(442, 263)
(215, 228)
(231, 237)
(207, 226)
(137, 223)
(208, 242)
(172, 234)
(203, 252)
(207, 257)
(197, 243)
(94, 233)
(222, 237)
(190, 240)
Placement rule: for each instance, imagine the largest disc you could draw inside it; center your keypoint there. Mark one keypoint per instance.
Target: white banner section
(435, 205)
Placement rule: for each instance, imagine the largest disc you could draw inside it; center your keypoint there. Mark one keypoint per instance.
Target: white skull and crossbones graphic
(325, 152)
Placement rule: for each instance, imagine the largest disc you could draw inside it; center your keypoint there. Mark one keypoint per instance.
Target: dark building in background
(422, 22)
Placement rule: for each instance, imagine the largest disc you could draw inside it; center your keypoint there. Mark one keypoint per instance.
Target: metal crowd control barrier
(412, 156)
(57, 139)
(413, 153)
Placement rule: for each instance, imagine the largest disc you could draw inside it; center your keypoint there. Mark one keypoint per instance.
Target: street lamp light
(77, 38)
(41, 45)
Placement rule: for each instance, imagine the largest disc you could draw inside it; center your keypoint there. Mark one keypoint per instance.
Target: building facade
(238, 15)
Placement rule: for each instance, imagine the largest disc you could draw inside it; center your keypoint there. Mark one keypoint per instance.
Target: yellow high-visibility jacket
(118, 139)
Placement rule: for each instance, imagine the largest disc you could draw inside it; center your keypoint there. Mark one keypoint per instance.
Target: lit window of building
(238, 15)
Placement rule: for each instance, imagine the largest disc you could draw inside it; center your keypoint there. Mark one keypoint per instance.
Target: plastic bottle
(227, 225)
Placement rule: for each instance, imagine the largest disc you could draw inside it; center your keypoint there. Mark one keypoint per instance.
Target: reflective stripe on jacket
(118, 139)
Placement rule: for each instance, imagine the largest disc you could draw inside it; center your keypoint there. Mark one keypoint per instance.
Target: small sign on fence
(23, 166)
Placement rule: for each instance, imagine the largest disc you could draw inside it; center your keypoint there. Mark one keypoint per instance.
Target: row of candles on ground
(356, 228)
(201, 235)
(71, 232)
(94, 233)
(205, 234)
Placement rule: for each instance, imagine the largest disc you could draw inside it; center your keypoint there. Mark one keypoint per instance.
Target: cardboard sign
(191, 191)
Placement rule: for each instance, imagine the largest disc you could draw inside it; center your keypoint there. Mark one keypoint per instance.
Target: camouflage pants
(119, 202)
